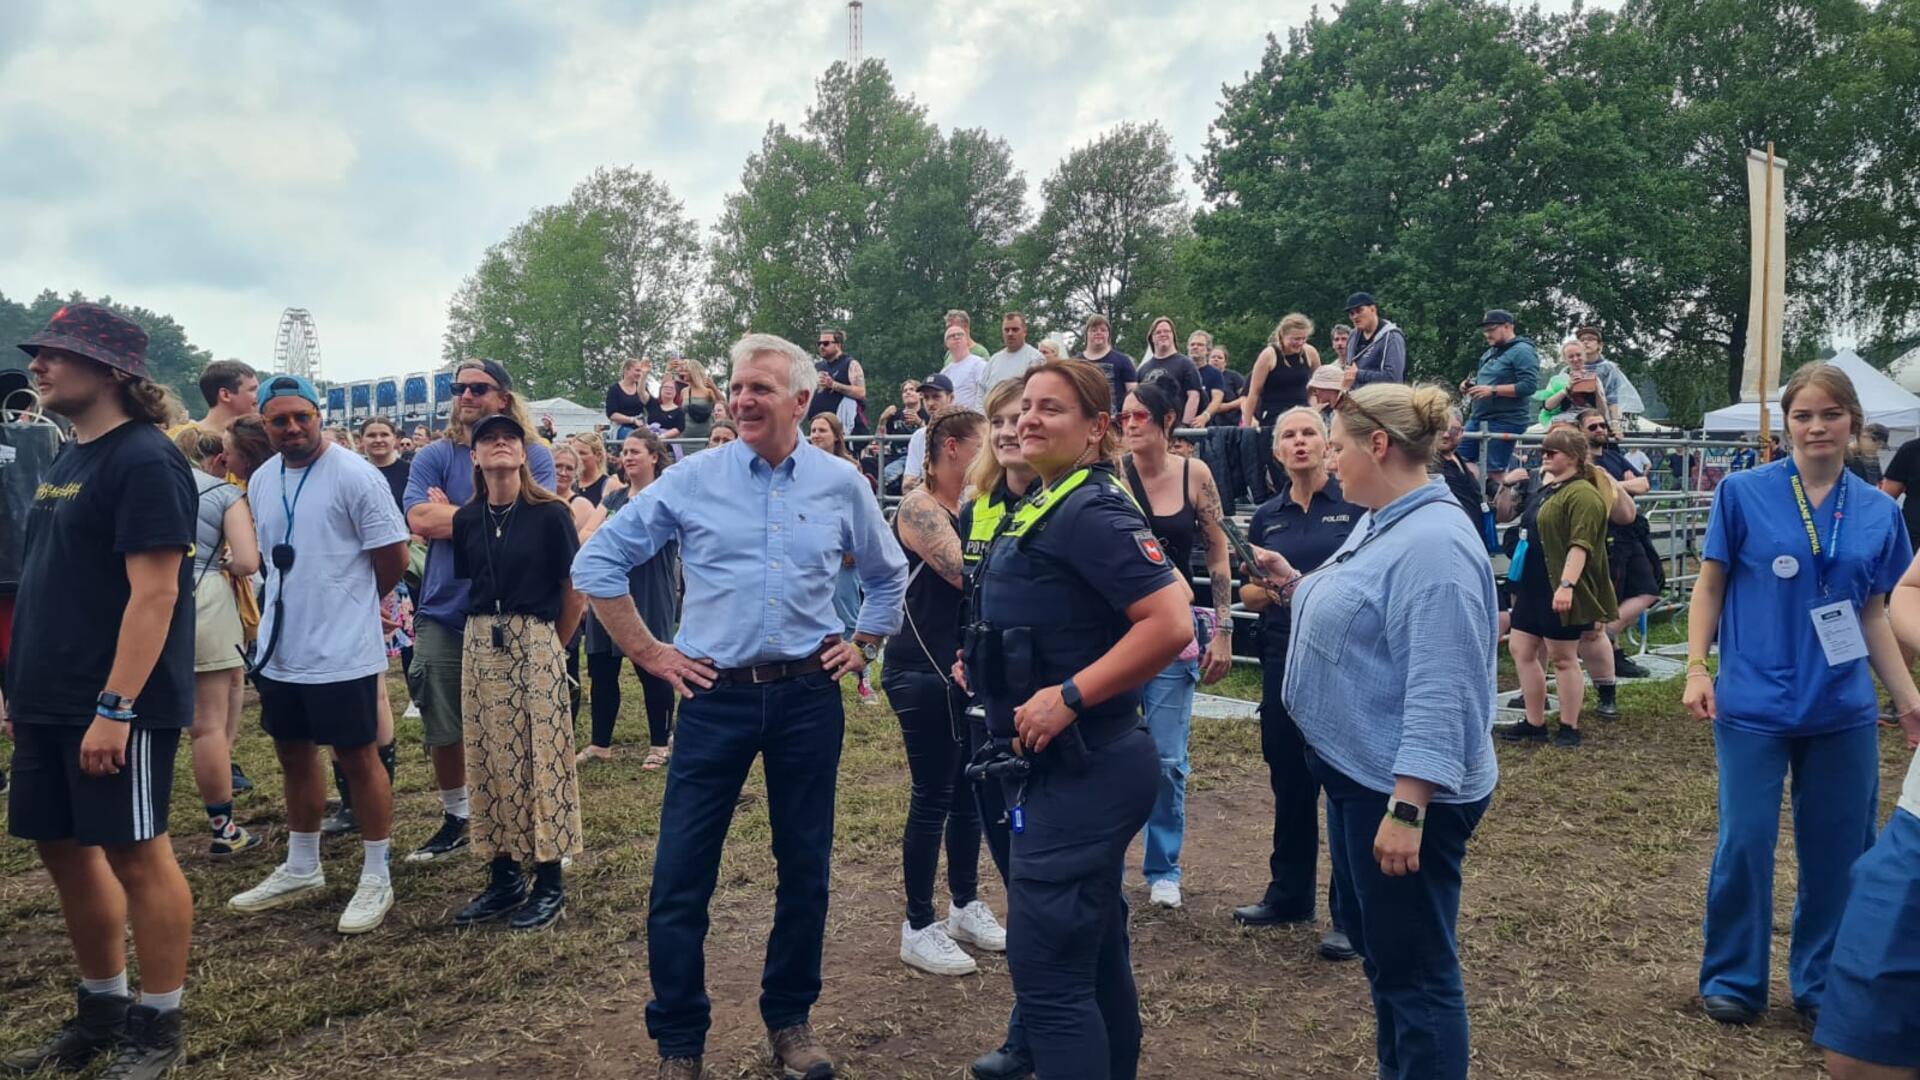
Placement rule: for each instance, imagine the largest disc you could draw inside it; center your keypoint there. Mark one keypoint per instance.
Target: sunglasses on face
(473, 389)
(287, 420)
(1596, 427)
(827, 341)
(1136, 416)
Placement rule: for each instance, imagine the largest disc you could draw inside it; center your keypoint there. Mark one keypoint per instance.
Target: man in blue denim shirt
(762, 523)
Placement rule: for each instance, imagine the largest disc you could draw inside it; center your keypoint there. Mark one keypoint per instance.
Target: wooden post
(1766, 307)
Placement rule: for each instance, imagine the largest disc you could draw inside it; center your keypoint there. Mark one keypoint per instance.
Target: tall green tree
(1105, 243)
(171, 358)
(578, 288)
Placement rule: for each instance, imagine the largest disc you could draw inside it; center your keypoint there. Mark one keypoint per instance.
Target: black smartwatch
(1070, 695)
(1409, 814)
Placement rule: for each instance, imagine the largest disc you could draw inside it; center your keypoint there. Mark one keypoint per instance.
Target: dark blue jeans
(1404, 927)
(1499, 451)
(796, 726)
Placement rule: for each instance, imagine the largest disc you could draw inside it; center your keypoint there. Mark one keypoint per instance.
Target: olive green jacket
(1576, 516)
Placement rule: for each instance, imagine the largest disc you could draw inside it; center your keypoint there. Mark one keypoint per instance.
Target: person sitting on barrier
(1390, 677)
(1798, 561)
(1306, 522)
(1075, 606)
(1562, 588)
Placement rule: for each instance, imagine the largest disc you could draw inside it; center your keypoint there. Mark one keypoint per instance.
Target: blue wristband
(122, 715)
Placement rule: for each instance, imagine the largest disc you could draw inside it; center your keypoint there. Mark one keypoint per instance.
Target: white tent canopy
(1881, 399)
(568, 418)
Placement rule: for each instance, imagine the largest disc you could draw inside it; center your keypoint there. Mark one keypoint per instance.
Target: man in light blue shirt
(762, 524)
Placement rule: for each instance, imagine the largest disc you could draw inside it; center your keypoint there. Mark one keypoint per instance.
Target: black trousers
(933, 724)
(1294, 865)
(1067, 944)
(604, 670)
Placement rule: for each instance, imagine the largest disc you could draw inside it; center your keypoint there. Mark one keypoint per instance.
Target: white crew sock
(167, 1002)
(303, 853)
(454, 802)
(116, 985)
(374, 864)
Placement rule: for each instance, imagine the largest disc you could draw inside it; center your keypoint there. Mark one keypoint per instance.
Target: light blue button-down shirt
(760, 547)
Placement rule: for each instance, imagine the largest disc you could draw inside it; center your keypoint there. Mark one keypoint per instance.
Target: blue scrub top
(1774, 677)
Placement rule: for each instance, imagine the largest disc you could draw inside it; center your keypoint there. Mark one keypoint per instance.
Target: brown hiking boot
(681, 1069)
(797, 1054)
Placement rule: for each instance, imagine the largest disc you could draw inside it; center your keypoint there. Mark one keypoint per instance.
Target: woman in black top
(1182, 506)
(655, 588)
(1306, 521)
(627, 399)
(665, 413)
(515, 543)
(932, 712)
(1280, 373)
(590, 479)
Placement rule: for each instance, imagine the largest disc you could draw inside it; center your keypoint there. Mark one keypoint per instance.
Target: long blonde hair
(986, 472)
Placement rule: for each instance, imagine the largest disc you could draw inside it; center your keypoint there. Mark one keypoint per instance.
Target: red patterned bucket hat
(97, 333)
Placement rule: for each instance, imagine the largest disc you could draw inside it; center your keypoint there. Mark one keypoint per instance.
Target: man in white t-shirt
(336, 543)
(1016, 356)
(967, 372)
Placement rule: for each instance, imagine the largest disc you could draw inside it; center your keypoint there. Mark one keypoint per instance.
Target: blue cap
(274, 386)
(1496, 317)
(1360, 300)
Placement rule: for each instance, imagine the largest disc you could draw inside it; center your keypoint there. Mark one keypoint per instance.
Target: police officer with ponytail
(1074, 607)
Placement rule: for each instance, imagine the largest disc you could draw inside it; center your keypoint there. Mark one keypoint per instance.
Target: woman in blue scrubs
(1799, 559)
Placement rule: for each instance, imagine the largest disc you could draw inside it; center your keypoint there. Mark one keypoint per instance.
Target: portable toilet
(336, 404)
(359, 402)
(413, 399)
(386, 397)
(442, 399)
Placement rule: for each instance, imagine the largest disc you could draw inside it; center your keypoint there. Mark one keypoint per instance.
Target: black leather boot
(97, 1024)
(1009, 1062)
(544, 903)
(506, 891)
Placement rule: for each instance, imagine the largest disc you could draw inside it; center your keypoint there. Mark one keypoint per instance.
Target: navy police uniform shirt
(1774, 677)
(1305, 538)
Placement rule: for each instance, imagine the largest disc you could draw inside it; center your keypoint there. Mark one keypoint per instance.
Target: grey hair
(801, 376)
(1281, 420)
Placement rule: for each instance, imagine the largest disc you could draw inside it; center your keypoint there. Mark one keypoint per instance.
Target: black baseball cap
(1496, 317)
(493, 369)
(937, 382)
(1360, 300)
(497, 420)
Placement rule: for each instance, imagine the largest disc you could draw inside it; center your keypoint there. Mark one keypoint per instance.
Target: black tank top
(593, 492)
(1285, 388)
(932, 623)
(1176, 531)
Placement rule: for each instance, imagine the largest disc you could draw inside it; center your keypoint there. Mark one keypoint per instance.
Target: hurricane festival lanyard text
(1823, 557)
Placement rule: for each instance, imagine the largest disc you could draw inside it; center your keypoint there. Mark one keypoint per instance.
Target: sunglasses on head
(287, 420)
(473, 389)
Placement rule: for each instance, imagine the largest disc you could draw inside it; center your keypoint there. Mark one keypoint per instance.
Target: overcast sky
(221, 161)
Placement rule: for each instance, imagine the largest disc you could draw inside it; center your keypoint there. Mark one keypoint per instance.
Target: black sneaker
(97, 1022)
(1521, 731)
(1568, 737)
(241, 785)
(339, 823)
(1517, 701)
(155, 1045)
(451, 838)
(1624, 668)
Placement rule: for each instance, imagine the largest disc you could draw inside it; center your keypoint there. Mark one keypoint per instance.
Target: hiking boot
(155, 1045)
(451, 838)
(96, 1024)
(681, 1069)
(1625, 668)
(544, 903)
(797, 1054)
(506, 891)
(1566, 737)
(1521, 731)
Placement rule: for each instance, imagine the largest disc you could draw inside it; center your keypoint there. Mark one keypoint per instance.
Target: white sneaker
(932, 951)
(976, 926)
(1165, 894)
(368, 908)
(412, 713)
(280, 889)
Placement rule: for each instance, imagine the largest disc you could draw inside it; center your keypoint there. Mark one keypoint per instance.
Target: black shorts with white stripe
(51, 799)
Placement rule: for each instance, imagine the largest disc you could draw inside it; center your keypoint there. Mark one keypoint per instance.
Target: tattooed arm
(926, 529)
(1206, 503)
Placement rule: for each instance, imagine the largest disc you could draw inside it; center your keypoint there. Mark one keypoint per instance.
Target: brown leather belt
(766, 673)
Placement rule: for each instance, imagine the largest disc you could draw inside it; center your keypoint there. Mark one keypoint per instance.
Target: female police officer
(1075, 606)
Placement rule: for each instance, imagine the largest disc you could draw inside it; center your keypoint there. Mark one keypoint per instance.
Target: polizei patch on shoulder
(1150, 547)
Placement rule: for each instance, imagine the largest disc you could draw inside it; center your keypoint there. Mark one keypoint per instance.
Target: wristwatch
(1405, 813)
(1566, 584)
(869, 649)
(1070, 696)
(113, 706)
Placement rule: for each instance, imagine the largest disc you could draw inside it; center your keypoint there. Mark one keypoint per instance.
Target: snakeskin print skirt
(519, 740)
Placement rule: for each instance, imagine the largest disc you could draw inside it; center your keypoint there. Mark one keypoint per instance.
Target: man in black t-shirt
(100, 685)
(1114, 364)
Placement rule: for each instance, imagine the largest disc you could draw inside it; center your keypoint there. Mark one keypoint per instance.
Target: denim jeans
(1836, 799)
(1499, 451)
(796, 727)
(933, 726)
(1404, 927)
(1167, 701)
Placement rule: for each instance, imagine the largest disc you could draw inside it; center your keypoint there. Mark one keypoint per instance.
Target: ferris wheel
(296, 345)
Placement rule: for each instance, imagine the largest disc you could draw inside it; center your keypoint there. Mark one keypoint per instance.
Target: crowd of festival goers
(1035, 567)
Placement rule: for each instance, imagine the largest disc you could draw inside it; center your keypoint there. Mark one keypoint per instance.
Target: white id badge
(1838, 626)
